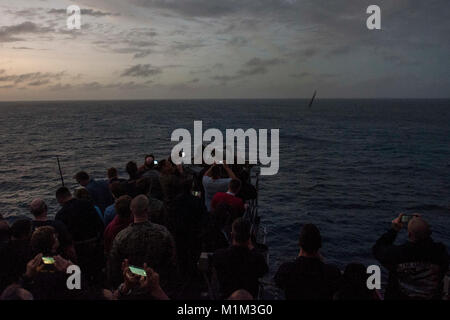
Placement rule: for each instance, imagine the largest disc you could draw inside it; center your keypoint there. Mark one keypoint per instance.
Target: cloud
(141, 70)
(140, 42)
(258, 66)
(300, 75)
(32, 78)
(22, 48)
(60, 87)
(215, 9)
(38, 83)
(87, 12)
(95, 85)
(8, 86)
(238, 41)
(9, 33)
(252, 67)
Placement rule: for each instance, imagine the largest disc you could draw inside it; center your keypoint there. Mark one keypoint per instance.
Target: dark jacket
(100, 193)
(239, 268)
(81, 219)
(416, 270)
(308, 279)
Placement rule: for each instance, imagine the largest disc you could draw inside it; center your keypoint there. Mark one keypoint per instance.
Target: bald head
(38, 208)
(418, 229)
(240, 295)
(139, 206)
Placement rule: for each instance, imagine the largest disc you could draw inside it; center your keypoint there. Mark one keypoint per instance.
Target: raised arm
(230, 172)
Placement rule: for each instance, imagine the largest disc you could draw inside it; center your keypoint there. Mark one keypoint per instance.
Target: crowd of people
(143, 238)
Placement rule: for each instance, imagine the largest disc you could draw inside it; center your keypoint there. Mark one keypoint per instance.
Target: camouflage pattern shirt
(142, 242)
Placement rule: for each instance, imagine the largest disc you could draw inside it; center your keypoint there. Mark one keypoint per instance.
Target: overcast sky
(136, 49)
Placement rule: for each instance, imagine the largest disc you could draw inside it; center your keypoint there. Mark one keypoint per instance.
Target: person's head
(63, 195)
(82, 178)
(82, 194)
(240, 232)
(16, 292)
(149, 161)
(216, 172)
(45, 240)
(132, 169)
(112, 173)
(143, 185)
(234, 186)
(310, 240)
(418, 230)
(240, 294)
(21, 229)
(122, 206)
(139, 208)
(165, 166)
(38, 208)
(117, 189)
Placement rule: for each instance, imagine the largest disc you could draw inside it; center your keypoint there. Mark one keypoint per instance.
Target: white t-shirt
(212, 187)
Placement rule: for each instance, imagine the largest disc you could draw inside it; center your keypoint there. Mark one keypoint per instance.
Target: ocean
(348, 166)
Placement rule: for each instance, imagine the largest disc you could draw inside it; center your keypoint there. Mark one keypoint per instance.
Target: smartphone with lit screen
(138, 271)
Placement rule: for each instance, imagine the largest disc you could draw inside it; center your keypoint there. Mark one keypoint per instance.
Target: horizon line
(197, 99)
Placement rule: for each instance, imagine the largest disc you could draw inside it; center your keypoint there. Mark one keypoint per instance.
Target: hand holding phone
(48, 260)
(138, 271)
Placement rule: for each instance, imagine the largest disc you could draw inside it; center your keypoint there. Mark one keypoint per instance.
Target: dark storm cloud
(141, 71)
(340, 22)
(10, 33)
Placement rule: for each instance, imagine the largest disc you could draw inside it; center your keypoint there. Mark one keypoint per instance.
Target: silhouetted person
(113, 176)
(99, 190)
(230, 198)
(353, 285)
(142, 241)
(307, 277)
(16, 253)
(38, 209)
(213, 182)
(417, 267)
(86, 228)
(239, 266)
(122, 220)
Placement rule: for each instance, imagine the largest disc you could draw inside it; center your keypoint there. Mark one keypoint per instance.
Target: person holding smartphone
(140, 282)
(417, 267)
(213, 182)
